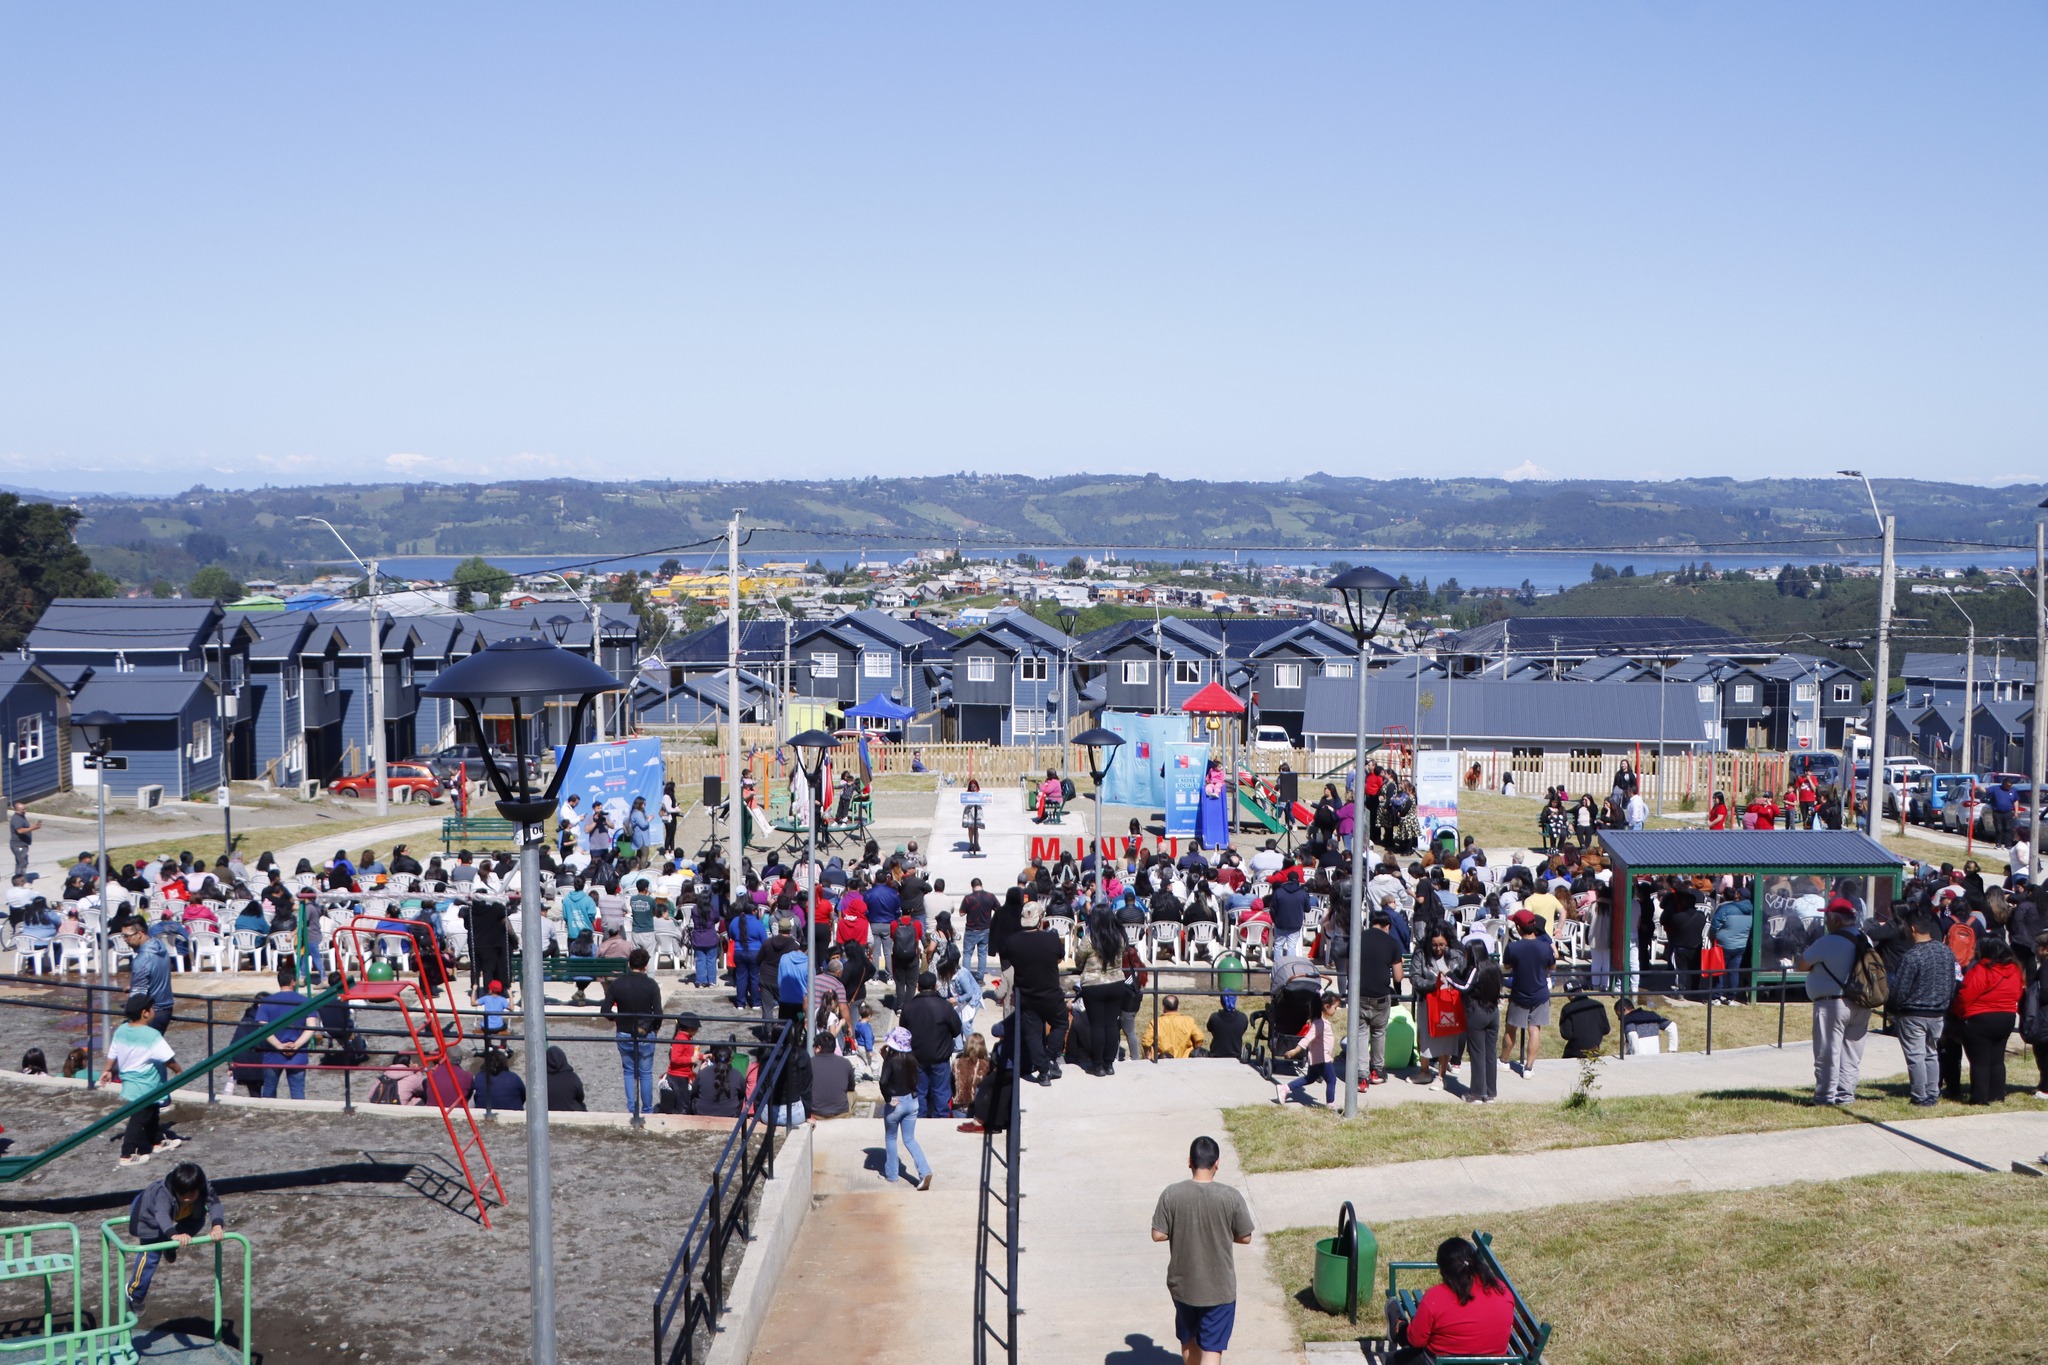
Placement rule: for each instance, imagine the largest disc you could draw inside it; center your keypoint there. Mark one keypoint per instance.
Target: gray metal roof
(279, 634)
(1508, 712)
(1748, 850)
(115, 624)
(1583, 635)
(142, 693)
(1929, 667)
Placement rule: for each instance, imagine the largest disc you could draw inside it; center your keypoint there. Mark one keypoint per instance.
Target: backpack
(792, 977)
(385, 1091)
(903, 938)
(2033, 1016)
(1066, 789)
(1868, 988)
(1962, 941)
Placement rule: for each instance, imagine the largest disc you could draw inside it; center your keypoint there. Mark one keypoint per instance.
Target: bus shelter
(1793, 874)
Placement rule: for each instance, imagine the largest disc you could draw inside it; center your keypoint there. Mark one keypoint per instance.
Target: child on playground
(132, 1058)
(177, 1208)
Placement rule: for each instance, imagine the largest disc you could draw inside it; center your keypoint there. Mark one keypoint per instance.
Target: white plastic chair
(1063, 925)
(1255, 939)
(668, 946)
(1164, 934)
(283, 944)
(75, 950)
(251, 944)
(1134, 935)
(208, 948)
(1201, 934)
(32, 955)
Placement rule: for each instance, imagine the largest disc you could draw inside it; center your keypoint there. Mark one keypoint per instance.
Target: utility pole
(735, 831)
(377, 755)
(2035, 803)
(226, 707)
(1881, 702)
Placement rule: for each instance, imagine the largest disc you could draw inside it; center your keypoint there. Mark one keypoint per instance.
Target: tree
(1077, 567)
(478, 575)
(215, 583)
(669, 568)
(39, 562)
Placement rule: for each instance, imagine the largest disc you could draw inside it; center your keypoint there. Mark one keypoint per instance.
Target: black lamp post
(529, 672)
(96, 728)
(1357, 588)
(811, 747)
(1101, 745)
(1068, 617)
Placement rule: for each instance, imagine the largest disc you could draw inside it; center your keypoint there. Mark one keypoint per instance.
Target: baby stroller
(1295, 1001)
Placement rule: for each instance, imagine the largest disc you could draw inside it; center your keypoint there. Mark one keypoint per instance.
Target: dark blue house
(35, 718)
(170, 728)
(1012, 681)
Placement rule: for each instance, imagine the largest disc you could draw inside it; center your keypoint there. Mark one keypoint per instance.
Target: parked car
(1933, 794)
(1272, 737)
(447, 762)
(409, 782)
(1825, 767)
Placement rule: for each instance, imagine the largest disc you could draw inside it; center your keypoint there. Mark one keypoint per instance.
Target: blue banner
(1137, 776)
(609, 776)
(1186, 765)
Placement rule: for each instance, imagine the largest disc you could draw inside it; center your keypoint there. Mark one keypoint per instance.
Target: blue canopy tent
(879, 707)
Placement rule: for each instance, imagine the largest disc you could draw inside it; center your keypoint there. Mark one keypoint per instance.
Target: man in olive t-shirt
(1201, 1220)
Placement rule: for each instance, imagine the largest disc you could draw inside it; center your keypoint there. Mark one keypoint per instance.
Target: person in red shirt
(1470, 1314)
(1808, 792)
(1989, 1002)
(683, 1053)
(1717, 814)
(852, 922)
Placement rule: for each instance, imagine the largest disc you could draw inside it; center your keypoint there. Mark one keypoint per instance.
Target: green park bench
(1525, 1344)
(576, 971)
(476, 829)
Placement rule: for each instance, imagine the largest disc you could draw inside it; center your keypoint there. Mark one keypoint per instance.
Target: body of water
(1548, 571)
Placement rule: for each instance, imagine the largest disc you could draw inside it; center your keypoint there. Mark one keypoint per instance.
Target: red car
(409, 782)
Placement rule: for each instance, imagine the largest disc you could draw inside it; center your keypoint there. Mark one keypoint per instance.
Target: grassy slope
(1906, 1269)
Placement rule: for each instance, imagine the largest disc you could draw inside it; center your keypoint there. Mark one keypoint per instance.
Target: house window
(1286, 677)
(238, 672)
(1745, 694)
(1706, 694)
(1029, 720)
(824, 665)
(1137, 672)
(295, 754)
(405, 670)
(1528, 761)
(291, 680)
(981, 670)
(1585, 761)
(123, 664)
(1187, 671)
(1806, 692)
(1339, 668)
(202, 740)
(877, 663)
(28, 744)
(1845, 692)
(1033, 668)
(330, 676)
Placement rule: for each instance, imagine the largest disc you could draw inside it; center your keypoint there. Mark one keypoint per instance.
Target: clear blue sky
(286, 243)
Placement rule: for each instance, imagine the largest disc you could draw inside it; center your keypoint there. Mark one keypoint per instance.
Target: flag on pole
(867, 773)
(462, 789)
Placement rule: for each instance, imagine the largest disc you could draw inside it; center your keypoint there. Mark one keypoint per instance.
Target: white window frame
(1034, 668)
(1187, 671)
(1706, 694)
(1745, 694)
(981, 668)
(1286, 677)
(1806, 692)
(202, 740)
(1030, 720)
(28, 741)
(1845, 692)
(1340, 668)
(825, 665)
(330, 675)
(878, 663)
(1137, 672)
(293, 680)
(405, 670)
(295, 754)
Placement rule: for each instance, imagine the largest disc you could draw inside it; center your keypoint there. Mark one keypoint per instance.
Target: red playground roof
(1213, 701)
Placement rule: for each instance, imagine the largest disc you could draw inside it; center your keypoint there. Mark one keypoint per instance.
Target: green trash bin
(1400, 1039)
(1346, 1265)
(1230, 974)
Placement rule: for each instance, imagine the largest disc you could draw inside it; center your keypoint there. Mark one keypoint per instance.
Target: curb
(785, 1203)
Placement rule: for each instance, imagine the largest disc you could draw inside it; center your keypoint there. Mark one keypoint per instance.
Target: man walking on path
(1838, 1026)
(1201, 1220)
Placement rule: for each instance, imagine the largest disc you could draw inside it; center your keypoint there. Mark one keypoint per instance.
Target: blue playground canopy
(879, 707)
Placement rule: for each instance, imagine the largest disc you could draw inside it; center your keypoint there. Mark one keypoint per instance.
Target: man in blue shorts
(1201, 1220)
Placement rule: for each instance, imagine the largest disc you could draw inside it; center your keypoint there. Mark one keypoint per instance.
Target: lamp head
(1850, 473)
(1356, 588)
(97, 729)
(811, 747)
(527, 673)
(560, 626)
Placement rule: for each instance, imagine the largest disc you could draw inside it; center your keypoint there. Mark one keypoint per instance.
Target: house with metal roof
(169, 731)
(1937, 730)
(1587, 720)
(700, 699)
(1931, 677)
(1012, 681)
(1642, 638)
(35, 720)
(2002, 736)
(1811, 702)
(1274, 681)
(1151, 665)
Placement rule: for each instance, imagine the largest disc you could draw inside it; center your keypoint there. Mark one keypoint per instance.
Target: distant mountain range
(137, 538)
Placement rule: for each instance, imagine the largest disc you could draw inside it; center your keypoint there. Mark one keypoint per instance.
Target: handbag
(1713, 960)
(1446, 1012)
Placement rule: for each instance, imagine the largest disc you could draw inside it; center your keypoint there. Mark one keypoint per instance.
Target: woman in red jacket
(1717, 814)
(1470, 1314)
(1989, 1002)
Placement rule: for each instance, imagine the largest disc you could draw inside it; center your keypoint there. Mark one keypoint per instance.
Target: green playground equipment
(15, 1167)
(113, 1340)
(1268, 818)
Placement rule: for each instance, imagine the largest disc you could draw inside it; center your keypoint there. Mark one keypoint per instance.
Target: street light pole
(97, 728)
(1880, 700)
(1966, 761)
(811, 747)
(378, 757)
(1354, 586)
(1101, 744)
(2040, 727)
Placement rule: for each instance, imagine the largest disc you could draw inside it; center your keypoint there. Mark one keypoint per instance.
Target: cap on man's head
(1033, 916)
(1841, 905)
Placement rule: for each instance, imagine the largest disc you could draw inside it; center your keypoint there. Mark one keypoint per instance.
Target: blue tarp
(611, 775)
(879, 707)
(1137, 776)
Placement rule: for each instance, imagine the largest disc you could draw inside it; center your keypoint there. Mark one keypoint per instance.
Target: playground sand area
(367, 1246)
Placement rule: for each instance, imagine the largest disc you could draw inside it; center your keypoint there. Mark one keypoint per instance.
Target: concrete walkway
(1461, 1187)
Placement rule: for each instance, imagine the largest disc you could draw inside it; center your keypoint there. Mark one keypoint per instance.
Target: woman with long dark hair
(1103, 990)
(1482, 990)
(1989, 1002)
(1470, 1314)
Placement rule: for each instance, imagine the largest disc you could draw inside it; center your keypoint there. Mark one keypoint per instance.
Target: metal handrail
(695, 1283)
(1011, 1200)
(113, 1250)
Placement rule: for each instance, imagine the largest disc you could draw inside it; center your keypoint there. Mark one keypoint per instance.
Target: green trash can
(1230, 974)
(1400, 1039)
(1346, 1265)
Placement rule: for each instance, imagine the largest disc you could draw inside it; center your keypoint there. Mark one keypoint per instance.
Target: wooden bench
(1525, 1343)
(465, 829)
(577, 971)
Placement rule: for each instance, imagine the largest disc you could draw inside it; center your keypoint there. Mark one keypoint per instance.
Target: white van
(1271, 737)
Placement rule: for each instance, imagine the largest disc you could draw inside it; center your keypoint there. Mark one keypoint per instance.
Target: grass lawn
(1509, 822)
(1909, 1269)
(1270, 1138)
(345, 830)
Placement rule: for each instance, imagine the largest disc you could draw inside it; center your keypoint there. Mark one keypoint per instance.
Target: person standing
(977, 912)
(1033, 955)
(1381, 975)
(1482, 990)
(1529, 960)
(933, 1025)
(899, 1108)
(21, 832)
(149, 970)
(138, 1057)
(1989, 1002)
(285, 1057)
(632, 1001)
(1200, 1221)
(1921, 989)
(1839, 1028)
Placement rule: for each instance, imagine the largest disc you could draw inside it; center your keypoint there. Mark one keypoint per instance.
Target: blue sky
(248, 244)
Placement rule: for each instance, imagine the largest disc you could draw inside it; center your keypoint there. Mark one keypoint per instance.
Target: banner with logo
(609, 776)
(1186, 764)
(1436, 791)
